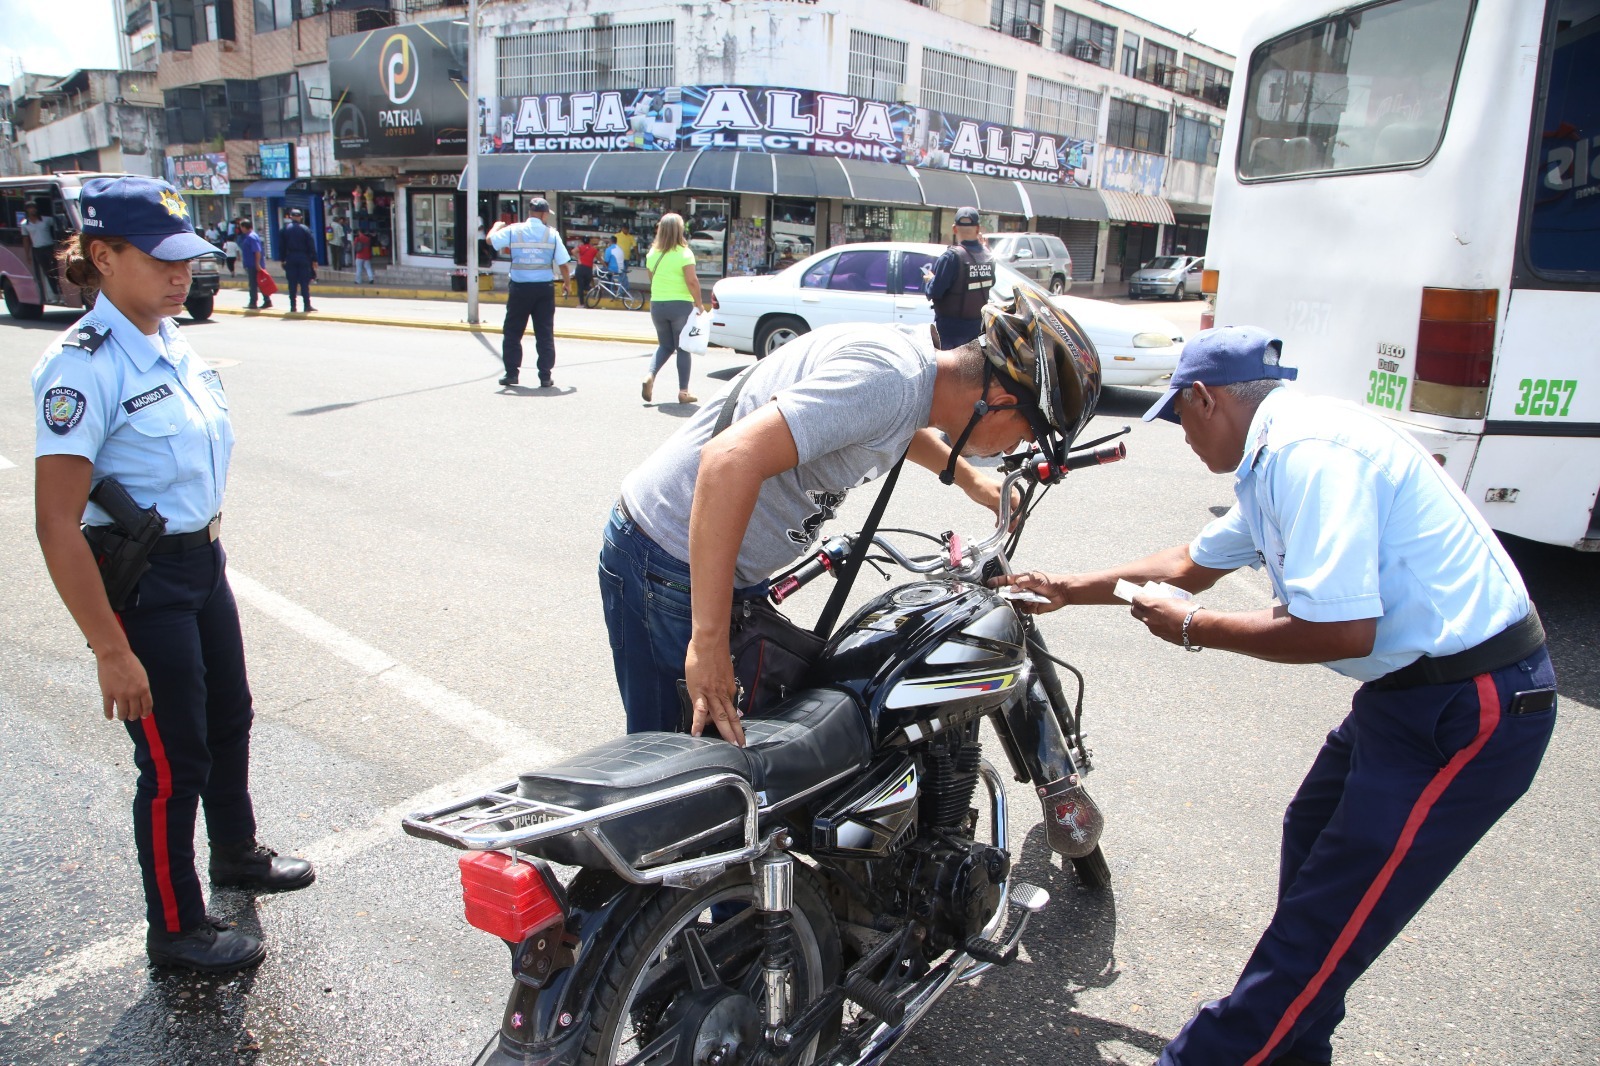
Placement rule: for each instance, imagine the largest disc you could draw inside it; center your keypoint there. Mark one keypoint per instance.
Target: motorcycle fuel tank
(928, 655)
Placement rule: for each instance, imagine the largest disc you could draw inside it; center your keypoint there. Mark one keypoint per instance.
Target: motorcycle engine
(952, 887)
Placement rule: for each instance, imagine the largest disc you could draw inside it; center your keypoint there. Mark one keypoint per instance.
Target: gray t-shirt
(852, 395)
(42, 233)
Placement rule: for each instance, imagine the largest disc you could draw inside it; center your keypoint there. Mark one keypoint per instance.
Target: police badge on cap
(146, 212)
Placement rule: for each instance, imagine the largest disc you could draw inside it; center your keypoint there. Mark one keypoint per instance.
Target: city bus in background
(1409, 196)
(24, 292)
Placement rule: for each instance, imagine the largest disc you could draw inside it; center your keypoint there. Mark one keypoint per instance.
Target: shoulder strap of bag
(858, 553)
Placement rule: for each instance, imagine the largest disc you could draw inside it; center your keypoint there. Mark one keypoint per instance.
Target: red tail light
(1455, 351)
(505, 897)
(714, 305)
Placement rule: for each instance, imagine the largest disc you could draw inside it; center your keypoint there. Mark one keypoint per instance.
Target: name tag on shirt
(145, 399)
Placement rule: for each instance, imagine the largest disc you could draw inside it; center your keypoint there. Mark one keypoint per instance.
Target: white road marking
(6, 464)
(126, 945)
(431, 696)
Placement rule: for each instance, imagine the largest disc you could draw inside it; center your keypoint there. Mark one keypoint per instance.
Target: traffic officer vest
(536, 254)
(965, 298)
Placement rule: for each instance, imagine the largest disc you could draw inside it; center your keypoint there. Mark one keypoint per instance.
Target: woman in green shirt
(674, 292)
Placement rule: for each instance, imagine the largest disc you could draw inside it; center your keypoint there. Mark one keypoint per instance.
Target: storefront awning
(625, 172)
(266, 190)
(753, 173)
(1137, 207)
(998, 196)
(500, 173)
(941, 188)
(882, 183)
(1064, 201)
(808, 178)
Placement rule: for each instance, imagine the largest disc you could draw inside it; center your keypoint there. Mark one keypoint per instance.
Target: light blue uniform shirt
(536, 250)
(1354, 519)
(146, 412)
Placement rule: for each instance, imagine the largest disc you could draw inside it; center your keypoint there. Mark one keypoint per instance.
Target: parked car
(1039, 257)
(1172, 276)
(881, 282)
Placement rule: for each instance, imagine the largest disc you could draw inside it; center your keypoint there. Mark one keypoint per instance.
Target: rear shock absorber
(773, 875)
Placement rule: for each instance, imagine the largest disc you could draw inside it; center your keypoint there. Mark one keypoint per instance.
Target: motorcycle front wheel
(684, 982)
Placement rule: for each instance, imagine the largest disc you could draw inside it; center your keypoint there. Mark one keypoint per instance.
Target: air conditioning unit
(1024, 30)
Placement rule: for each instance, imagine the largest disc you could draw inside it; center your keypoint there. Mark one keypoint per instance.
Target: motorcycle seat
(811, 737)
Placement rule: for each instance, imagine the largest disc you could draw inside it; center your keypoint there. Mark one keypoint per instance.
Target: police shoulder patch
(63, 409)
(87, 337)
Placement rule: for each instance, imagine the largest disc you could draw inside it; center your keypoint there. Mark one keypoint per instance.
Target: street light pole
(473, 122)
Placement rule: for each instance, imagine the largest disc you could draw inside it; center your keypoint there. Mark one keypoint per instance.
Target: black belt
(173, 543)
(1512, 644)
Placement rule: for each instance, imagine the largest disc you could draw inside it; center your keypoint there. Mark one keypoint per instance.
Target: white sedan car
(882, 282)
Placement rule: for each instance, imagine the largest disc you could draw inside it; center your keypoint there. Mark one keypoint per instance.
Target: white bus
(1409, 195)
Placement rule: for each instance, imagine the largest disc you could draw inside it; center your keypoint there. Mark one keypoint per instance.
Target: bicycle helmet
(1040, 355)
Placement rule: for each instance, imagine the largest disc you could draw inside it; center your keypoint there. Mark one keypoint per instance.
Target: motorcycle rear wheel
(652, 997)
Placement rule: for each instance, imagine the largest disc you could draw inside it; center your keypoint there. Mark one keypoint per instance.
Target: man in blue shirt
(958, 284)
(299, 251)
(617, 264)
(537, 252)
(1387, 574)
(250, 257)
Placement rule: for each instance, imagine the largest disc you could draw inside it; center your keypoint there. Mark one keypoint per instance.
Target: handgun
(122, 550)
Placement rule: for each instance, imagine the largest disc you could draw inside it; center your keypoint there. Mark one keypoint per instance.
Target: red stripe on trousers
(158, 824)
(1488, 719)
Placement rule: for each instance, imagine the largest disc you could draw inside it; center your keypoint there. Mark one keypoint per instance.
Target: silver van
(1039, 257)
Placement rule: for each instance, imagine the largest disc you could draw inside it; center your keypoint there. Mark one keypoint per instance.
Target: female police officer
(122, 396)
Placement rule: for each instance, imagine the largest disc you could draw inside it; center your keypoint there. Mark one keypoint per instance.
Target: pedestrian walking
(39, 237)
(230, 254)
(959, 282)
(587, 253)
(336, 241)
(363, 246)
(537, 253)
(123, 401)
(253, 261)
(298, 250)
(1386, 573)
(674, 293)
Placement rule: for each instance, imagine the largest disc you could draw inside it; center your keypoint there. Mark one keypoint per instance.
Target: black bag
(771, 656)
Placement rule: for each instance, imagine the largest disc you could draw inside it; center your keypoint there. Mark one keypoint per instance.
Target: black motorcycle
(806, 898)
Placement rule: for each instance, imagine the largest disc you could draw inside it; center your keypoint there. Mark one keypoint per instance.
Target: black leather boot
(252, 865)
(213, 946)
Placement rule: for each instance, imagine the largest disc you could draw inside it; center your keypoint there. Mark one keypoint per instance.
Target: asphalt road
(414, 554)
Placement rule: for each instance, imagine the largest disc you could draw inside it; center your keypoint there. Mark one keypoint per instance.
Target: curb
(419, 323)
(374, 291)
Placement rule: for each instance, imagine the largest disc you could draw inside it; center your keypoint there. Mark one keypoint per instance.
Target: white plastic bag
(695, 338)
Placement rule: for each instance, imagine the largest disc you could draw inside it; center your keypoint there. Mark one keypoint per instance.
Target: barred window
(1159, 64)
(1131, 125)
(1196, 140)
(962, 86)
(1064, 110)
(1083, 38)
(1017, 18)
(631, 56)
(877, 67)
(1208, 81)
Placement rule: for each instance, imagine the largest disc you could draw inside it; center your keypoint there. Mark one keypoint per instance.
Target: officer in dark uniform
(959, 283)
(122, 396)
(299, 251)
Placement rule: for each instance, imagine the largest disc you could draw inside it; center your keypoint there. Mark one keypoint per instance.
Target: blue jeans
(1398, 796)
(644, 592)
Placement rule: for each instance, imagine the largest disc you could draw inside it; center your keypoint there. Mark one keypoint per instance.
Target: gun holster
(122, 551)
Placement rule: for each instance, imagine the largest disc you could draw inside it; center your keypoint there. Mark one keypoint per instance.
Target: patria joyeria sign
(395, 91)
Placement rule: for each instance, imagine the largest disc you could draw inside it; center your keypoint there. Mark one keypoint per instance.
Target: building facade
(92, 120)
(778, 127)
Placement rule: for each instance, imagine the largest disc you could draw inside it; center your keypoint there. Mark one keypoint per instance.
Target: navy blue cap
(1224, 356)
(967, 216)
(146, 212)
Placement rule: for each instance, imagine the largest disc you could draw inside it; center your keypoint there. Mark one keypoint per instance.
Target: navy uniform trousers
(1399, 794)
(534, 300)
(183, 624)
(297, 278)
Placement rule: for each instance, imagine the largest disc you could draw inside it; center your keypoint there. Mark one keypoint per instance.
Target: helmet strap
(979, 409)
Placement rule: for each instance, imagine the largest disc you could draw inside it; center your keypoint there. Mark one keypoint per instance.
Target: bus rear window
(1367, 89)
(1564, 213)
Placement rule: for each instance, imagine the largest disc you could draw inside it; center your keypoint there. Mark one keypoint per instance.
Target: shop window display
(602, 217)
(707, 225)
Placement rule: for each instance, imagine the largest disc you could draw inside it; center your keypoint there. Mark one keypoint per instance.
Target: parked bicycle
(608, 283)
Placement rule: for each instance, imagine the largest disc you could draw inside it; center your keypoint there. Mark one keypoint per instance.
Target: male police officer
(536, 251)
(1386, 573)
(299, 251)
(959, 283)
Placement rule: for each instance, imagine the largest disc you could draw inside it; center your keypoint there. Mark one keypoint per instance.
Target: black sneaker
(546, 382)
(213, 946)
(265, 304)
(510, 378)
(252, 865)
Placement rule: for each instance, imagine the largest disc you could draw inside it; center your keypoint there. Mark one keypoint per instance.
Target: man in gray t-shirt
(831, 410)
(39, 235)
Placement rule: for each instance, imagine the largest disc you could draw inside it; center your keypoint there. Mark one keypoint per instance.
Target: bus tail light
(1455, 352)
(1208, 287)
(1208, 282)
